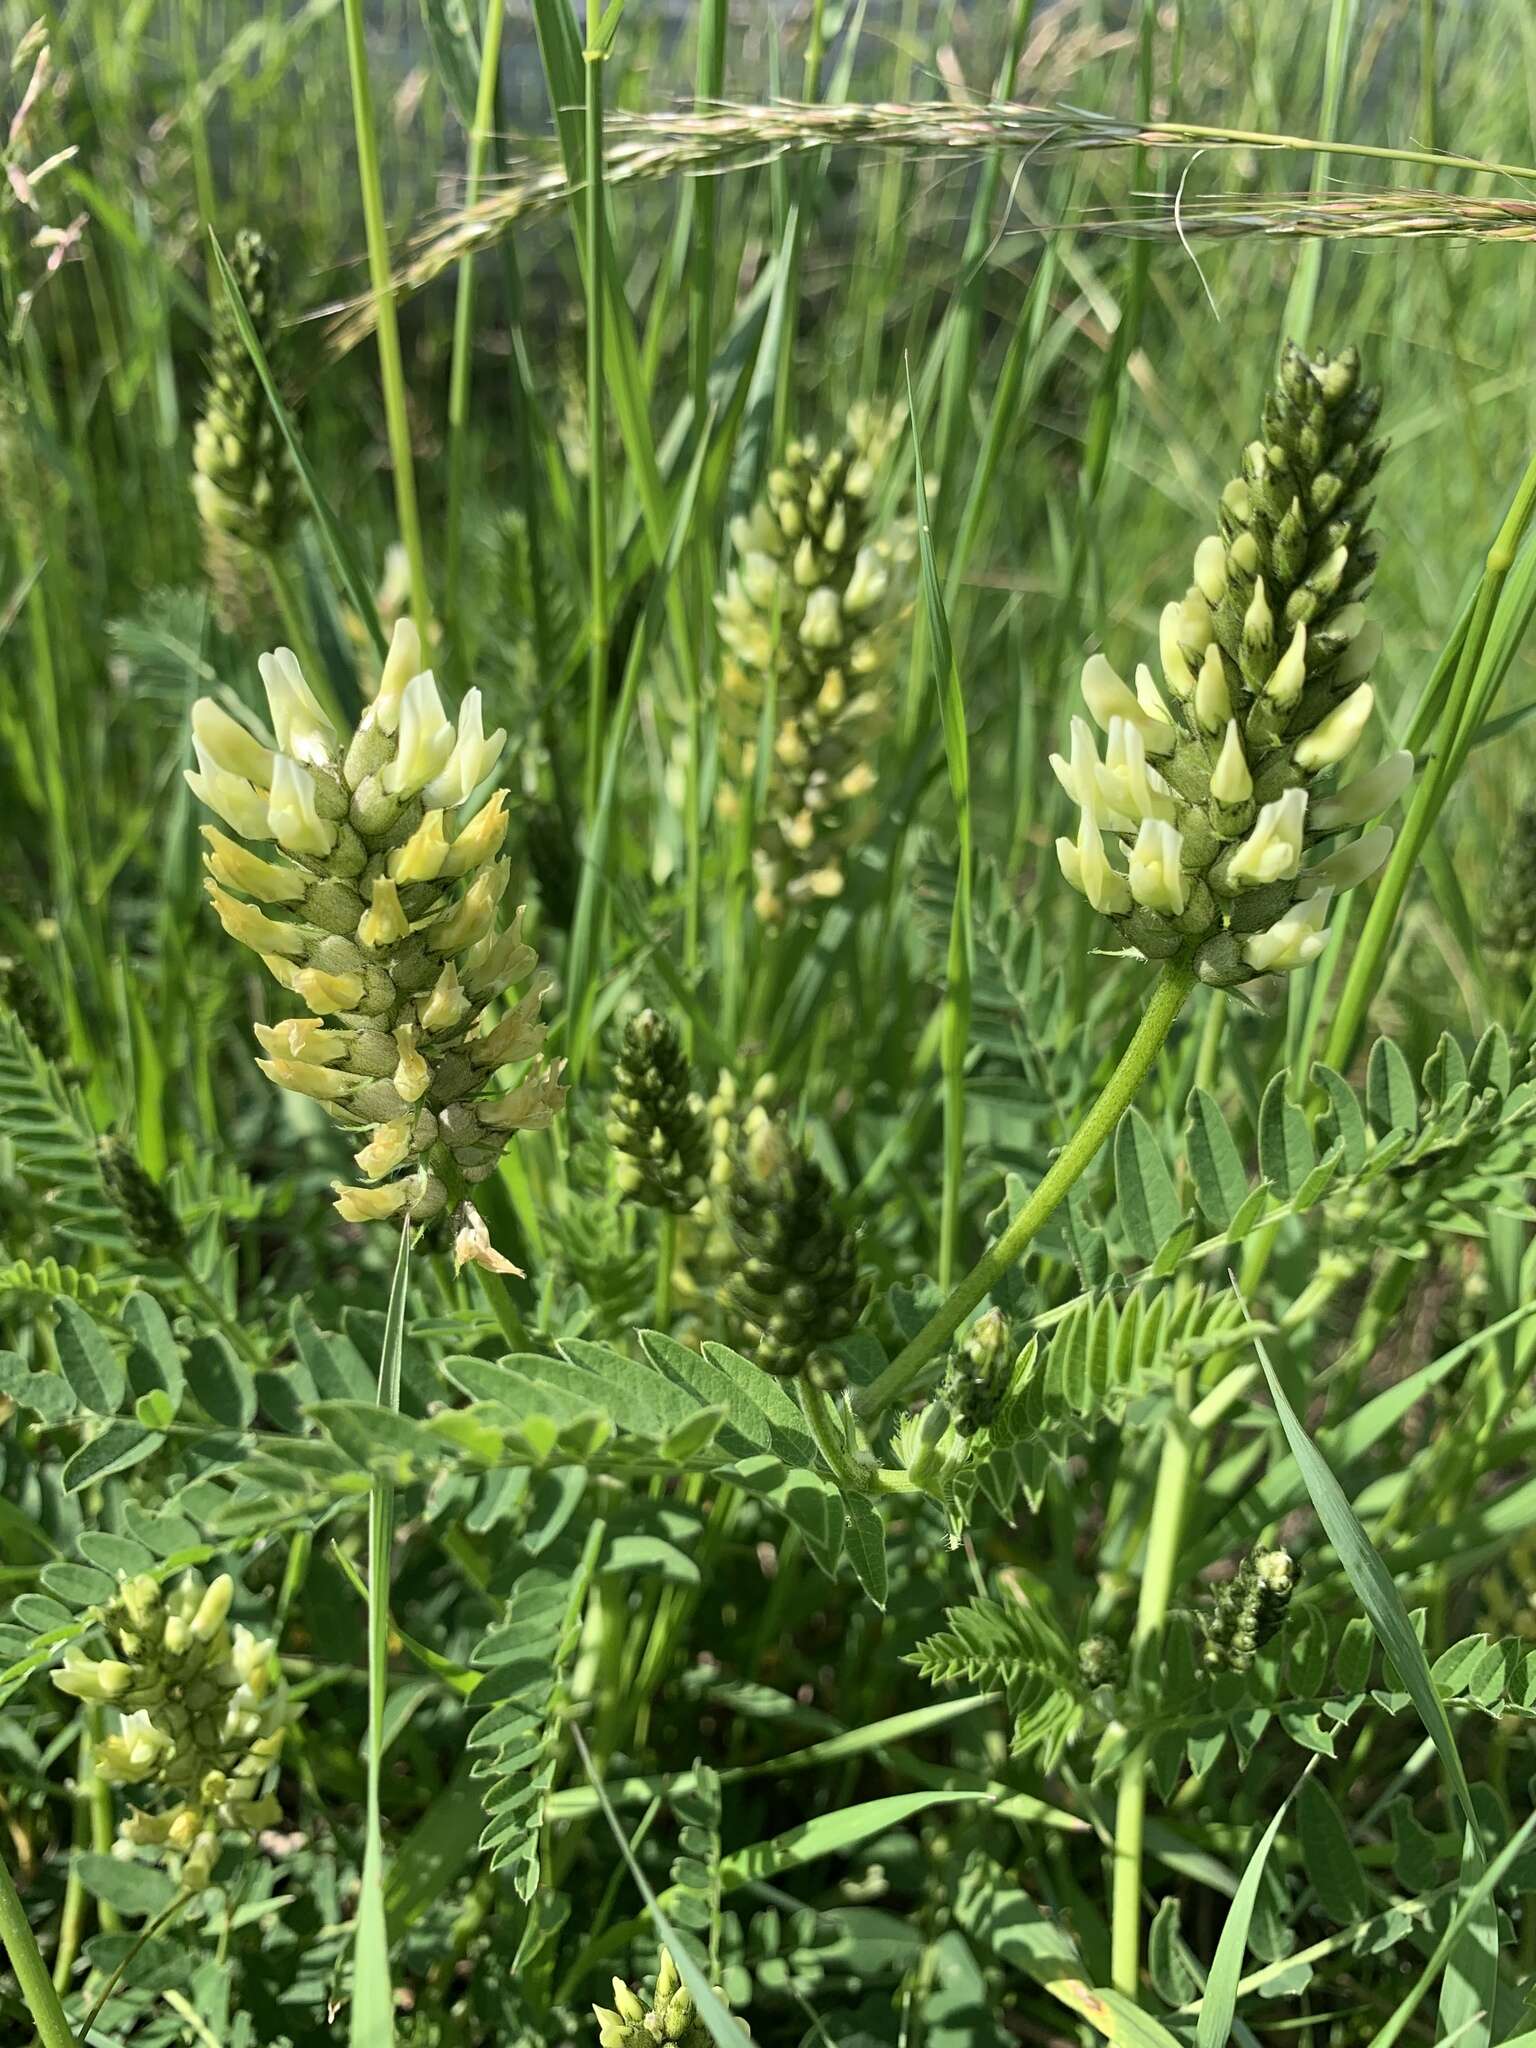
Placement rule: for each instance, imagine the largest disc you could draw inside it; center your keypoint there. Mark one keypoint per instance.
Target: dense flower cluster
(201, 1713)
(658, 1121)
(671, 2016)
(795, 1288)
(243, 481)
(808, 620)
(1250, 1609)
(388, 924)
(1212, 786)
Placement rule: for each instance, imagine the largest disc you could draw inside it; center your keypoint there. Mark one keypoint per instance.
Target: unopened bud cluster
(382, 915)
(1213, 787)
(23, 994)
(809, 619)
(243, 482)
(795, 1288)
(976, 1380)
(671, 2016)
(201, 1712)
(658, 1121)
(152, 1223)
(1249, 1610)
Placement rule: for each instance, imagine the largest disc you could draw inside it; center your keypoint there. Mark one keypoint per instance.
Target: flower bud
(224, 742)
(1231, 782)
(302, 1077)
(236, 867)
(213, 1607)
(384, 922)
(424, 855)
(370, 1205)
(292, 815)
(1292, 940)
(303, 730)
(401, 665)
(251, 927)
(1337, 734)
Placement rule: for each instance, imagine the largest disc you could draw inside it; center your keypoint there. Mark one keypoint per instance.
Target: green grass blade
(959, 968)
(1373, 1585)
(724, 2031)
(1220, 2001)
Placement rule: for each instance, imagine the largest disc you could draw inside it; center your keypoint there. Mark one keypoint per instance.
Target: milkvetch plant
(809, 619)
(1218, 785)
(381, 913)
(870, 1578)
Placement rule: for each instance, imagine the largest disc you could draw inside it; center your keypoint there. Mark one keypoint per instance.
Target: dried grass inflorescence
(382, 915)
(1214, 786)
(808, 619)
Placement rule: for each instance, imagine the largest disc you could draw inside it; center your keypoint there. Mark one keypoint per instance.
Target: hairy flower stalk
(671, 2017)
(796, 1288)
(1214, 789)
(809, 620)
(381, 913)
(244, 483)
(658, 1121)
(201, 1711)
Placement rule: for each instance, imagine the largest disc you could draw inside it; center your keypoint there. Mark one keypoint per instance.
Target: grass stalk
(459, 378)
(666, 1258)
(1463, 712)
(598, 620)
(391, 364)
(1169, 993)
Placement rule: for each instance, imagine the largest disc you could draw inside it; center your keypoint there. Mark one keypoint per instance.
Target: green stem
(147, 1934)
(31, 1972)
(666, 1258)
(463, 314)
(1169, 993)
(1157, 1582)
(832, 1440)
(597, 451)
(98, 1794)
(241, 1339)
(391, 366)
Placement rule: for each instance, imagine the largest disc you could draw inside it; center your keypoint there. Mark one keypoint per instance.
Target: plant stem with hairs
(1168, 997)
